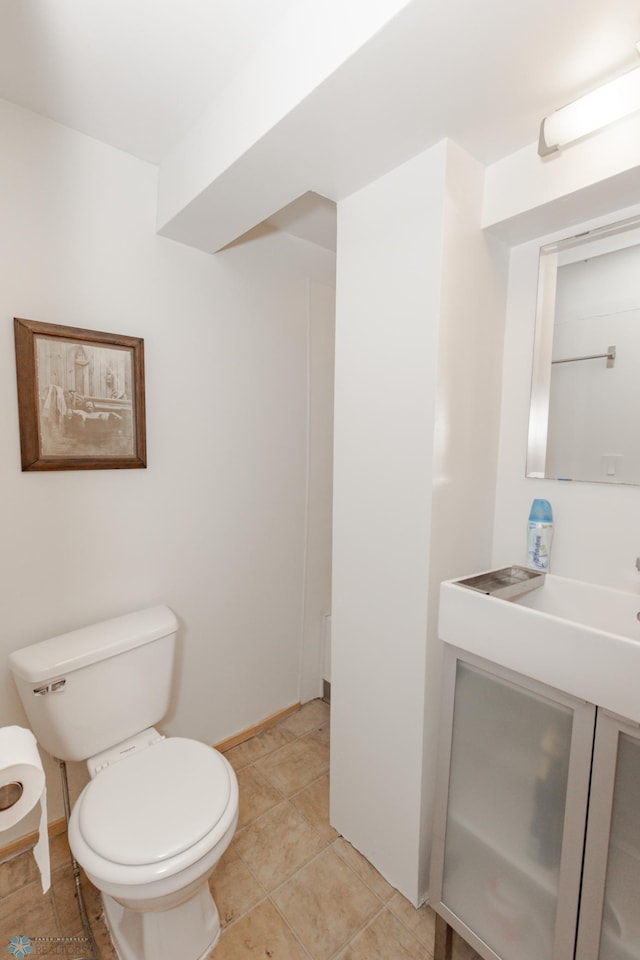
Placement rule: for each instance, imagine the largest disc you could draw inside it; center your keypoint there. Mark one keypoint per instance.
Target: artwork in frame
(80, 398)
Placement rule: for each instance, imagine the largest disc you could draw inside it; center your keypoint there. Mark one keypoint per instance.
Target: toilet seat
(154, 812)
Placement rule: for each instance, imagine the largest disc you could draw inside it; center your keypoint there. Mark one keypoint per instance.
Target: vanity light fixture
(614, 100)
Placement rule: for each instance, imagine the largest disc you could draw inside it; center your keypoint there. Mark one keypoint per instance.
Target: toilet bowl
(158, 812)
(149, 830)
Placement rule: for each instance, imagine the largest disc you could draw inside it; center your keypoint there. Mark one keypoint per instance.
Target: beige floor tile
(230, 853)
(364, 869)
(321, 734)
(103, 941)
(313, 802)
(295, 766)
(92, 899)
(259, 935)
(66, 903)
(386, 938)
(309, 717)
(235, 890)
(259, 746)
(326, 904)
(257, 795)
(278, 844)
(59, 852)
(422, 921)
(17, 872)
(29, 913)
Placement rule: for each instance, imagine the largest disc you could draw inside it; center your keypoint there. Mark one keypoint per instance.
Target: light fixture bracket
(613, 101)
(545, 149)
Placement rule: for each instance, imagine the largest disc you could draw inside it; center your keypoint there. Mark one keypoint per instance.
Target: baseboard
(259, 727)
(56, 827)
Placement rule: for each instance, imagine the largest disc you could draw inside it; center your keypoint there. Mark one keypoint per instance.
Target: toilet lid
(156, 803)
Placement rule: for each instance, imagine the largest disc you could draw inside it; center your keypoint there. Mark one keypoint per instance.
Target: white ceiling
(310, 217)
(138, 74)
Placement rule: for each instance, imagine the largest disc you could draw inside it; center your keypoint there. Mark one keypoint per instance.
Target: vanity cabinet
(519, 806)
(609, 926)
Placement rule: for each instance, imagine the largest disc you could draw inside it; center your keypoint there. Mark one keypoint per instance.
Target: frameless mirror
(584, 419)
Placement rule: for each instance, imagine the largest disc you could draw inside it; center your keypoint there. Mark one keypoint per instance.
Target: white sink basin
(575, 636)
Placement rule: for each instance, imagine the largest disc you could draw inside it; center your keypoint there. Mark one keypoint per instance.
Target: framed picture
(80, 398)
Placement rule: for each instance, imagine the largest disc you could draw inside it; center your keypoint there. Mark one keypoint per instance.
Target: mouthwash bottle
(539, 535)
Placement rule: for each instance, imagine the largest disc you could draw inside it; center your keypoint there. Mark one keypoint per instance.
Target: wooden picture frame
(80, 398)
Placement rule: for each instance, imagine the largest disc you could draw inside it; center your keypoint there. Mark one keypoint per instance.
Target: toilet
(158, 812)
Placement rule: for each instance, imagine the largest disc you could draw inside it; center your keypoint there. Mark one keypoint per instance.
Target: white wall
(215, 526)
(317, 581)
(389, 262)
(418, 351)
(526, 197)
(468, 391)
(596, 535)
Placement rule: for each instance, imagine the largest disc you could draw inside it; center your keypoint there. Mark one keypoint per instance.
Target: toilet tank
(87, 690)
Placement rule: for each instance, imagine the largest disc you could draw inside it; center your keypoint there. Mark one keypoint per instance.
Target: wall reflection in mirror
(584, 420)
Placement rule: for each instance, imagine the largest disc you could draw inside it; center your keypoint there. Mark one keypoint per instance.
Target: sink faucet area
(576, 636)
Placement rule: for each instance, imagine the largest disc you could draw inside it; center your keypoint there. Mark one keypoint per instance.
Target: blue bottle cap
(541, 512)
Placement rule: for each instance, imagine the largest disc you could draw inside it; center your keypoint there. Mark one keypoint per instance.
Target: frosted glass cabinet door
(509, 865)
(610, 908)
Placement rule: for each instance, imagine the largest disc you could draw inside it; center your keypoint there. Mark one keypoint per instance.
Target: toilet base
(189, 931)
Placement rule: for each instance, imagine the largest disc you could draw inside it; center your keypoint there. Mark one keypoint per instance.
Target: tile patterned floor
(288, 888)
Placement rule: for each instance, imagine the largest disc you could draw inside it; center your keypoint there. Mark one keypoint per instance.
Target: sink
(575, 636)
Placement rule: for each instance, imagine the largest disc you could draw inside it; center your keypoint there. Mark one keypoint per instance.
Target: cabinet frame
(577, 796)
(609, 727)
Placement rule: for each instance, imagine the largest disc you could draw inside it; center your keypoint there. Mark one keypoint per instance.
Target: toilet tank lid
(79, 648)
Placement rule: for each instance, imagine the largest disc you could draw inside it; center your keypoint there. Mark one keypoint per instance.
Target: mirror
(584, 418)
